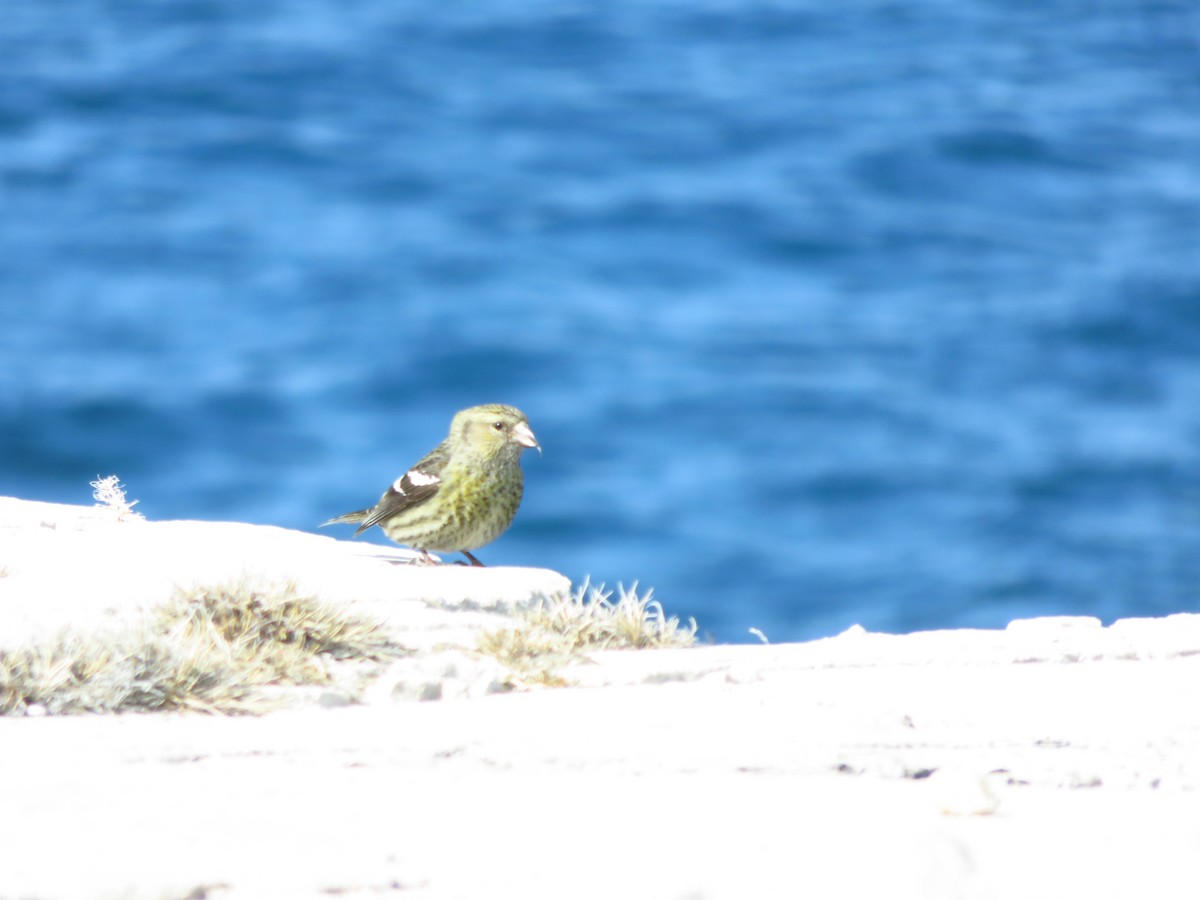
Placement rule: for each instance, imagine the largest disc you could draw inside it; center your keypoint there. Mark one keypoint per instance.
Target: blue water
(824, 314)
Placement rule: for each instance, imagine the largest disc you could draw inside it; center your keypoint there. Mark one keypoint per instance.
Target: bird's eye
(499, 426)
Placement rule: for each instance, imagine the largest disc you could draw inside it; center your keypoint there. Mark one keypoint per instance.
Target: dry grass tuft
(532, 657)
(211, 650)
(590, 620)
(558, 630)
(109, 493)
(291, 636)
(77, 674)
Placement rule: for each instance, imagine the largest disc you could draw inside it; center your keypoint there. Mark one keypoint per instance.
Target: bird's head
(494, 430)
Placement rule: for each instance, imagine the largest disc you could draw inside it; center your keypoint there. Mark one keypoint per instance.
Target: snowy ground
(1053, 759)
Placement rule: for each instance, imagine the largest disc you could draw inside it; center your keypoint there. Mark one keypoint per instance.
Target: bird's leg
(473, 560)
(425, 559)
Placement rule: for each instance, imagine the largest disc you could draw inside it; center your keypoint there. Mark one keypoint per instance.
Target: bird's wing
(415, 486)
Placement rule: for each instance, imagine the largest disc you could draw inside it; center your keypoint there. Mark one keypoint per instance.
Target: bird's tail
(350, 518)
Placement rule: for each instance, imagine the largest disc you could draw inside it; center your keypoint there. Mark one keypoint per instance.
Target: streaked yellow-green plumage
(462, 494)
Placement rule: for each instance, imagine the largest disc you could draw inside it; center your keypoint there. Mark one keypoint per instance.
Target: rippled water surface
(866, 313)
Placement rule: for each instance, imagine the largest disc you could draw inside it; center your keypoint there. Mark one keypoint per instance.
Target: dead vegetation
(216, 650)
(559, 630)
(109, 493)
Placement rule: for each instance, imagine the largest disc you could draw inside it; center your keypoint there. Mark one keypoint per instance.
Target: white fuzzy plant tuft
(109, 494)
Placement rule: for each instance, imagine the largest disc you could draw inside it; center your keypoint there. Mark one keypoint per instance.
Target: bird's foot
(473, 560)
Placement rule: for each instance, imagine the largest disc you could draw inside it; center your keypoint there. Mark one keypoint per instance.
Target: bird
(461, 495)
